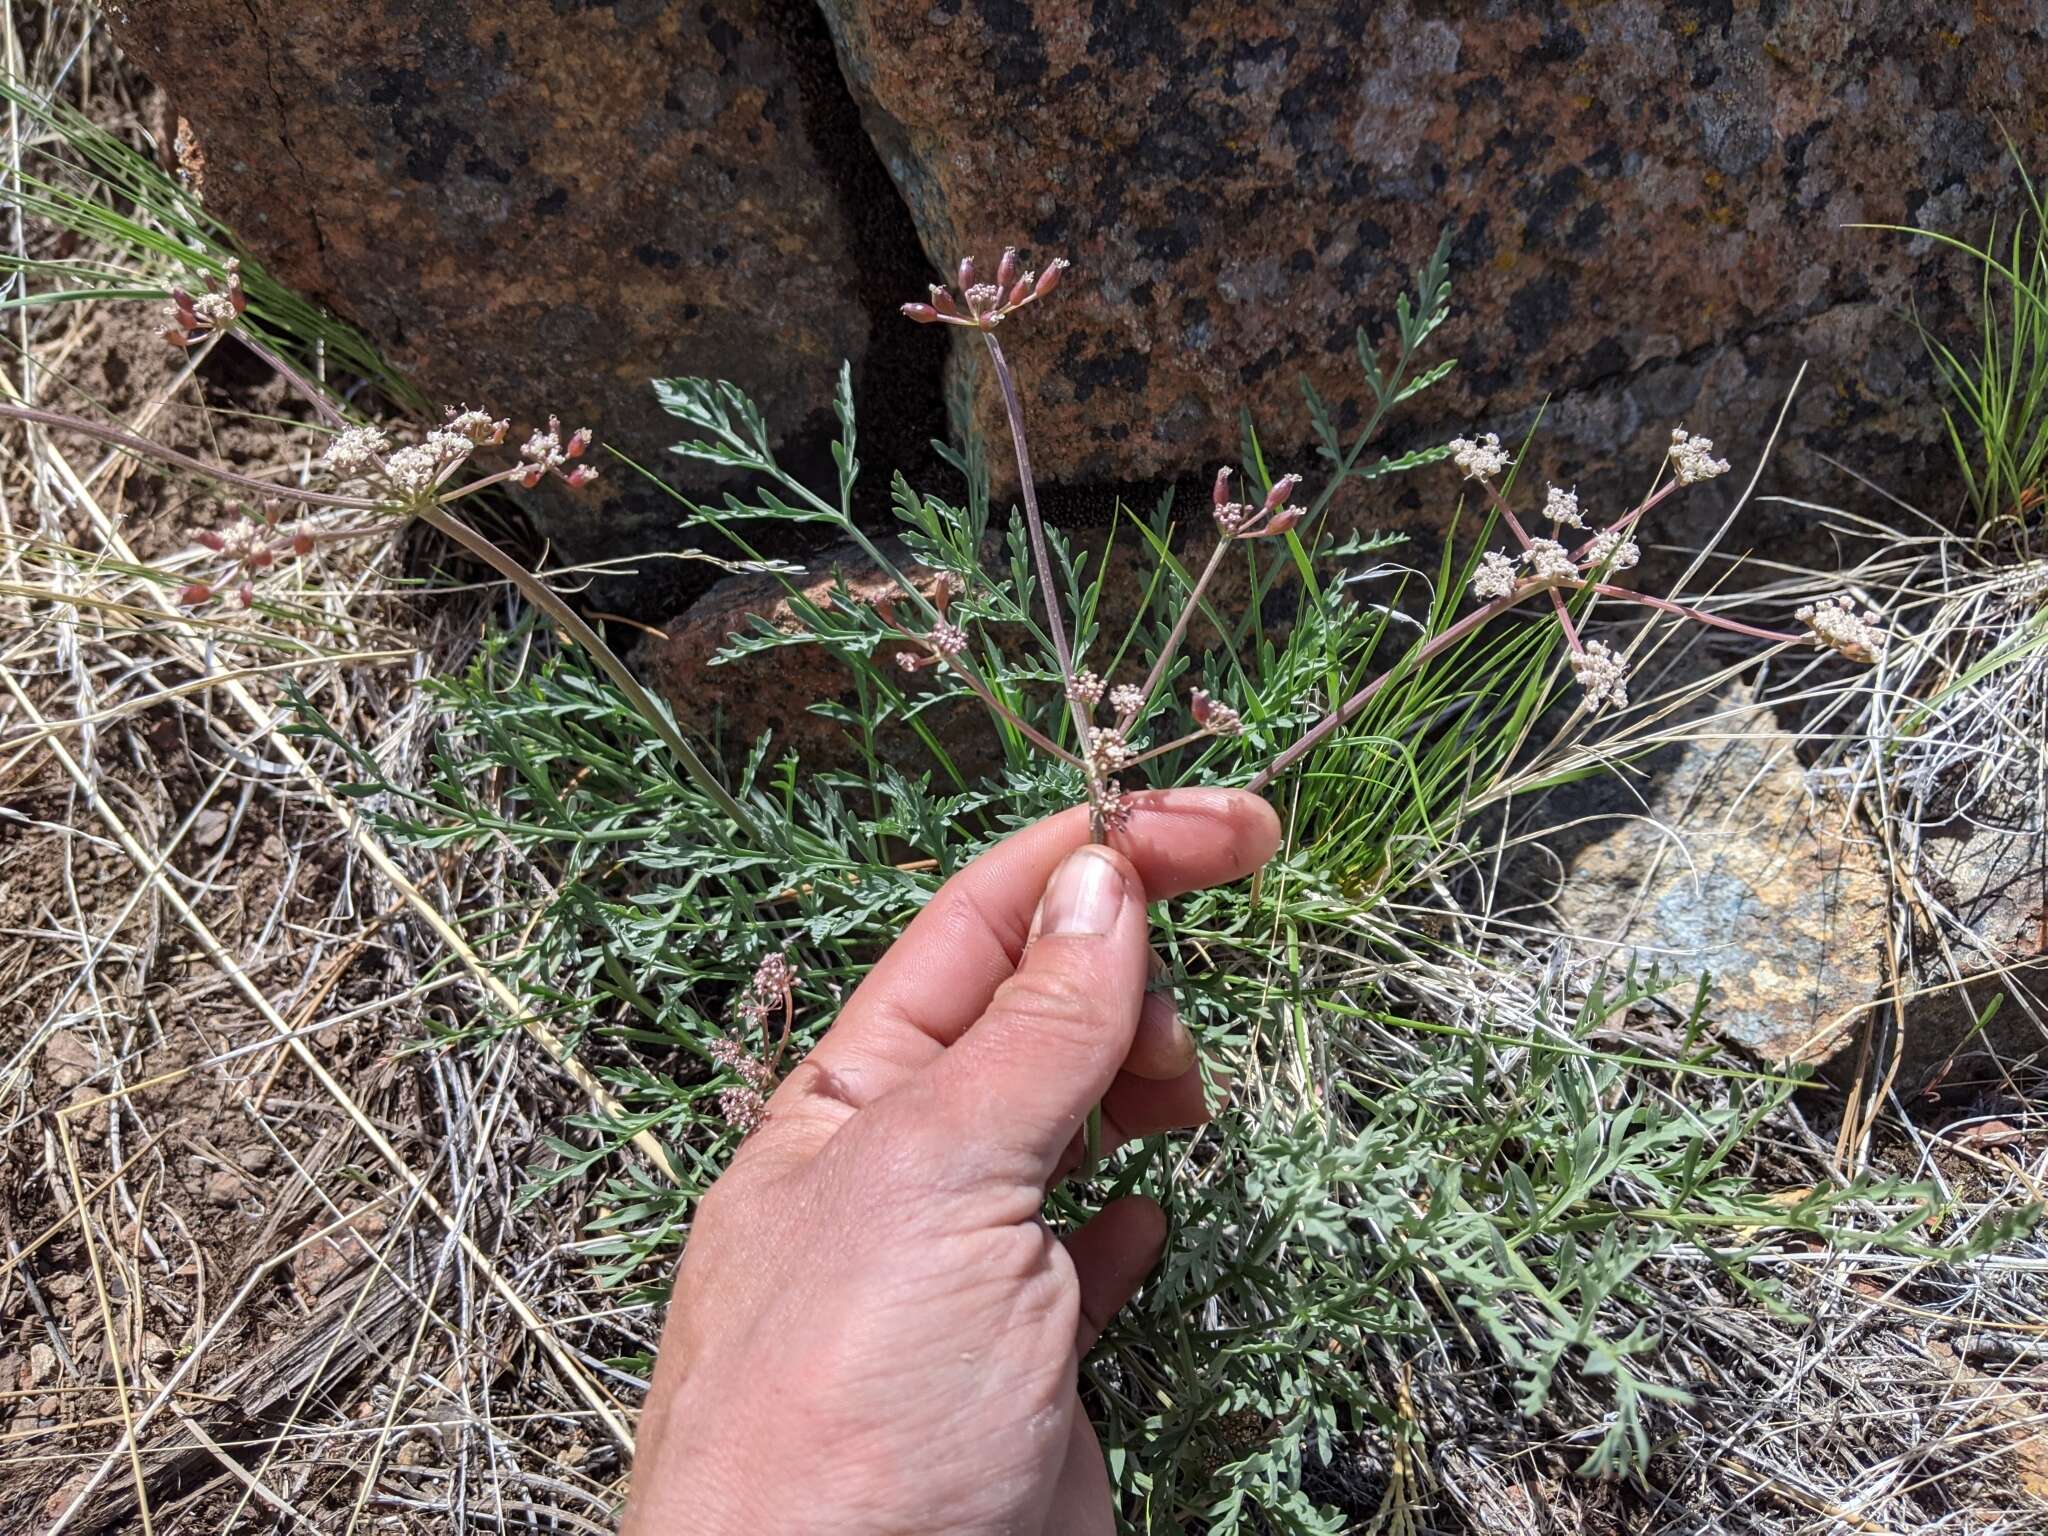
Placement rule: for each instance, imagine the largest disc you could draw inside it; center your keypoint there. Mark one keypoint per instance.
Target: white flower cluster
(1836, 624)
(1481, 459)
(1601, 673)
(1114, 808)
(948, 639)
(1693, 458)
(1232, 516)
(545, 453)
(449, 446)
(1614, 547)
(1495, 576)
(477, 426)
(413, 471)
(1562, 508)
(214, 309)
(355, 451)
(1086, 688)
(1549, 560)
(1213, 716)
(544, 449)
(1107, 750)
(1125, 699)
(744, 1104)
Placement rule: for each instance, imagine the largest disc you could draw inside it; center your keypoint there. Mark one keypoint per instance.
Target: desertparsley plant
(1428, 1165)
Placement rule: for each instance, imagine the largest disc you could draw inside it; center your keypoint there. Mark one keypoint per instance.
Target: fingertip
(1112, 1255)
(1187, 839)
(1251, 826)
(1162, 1047)
(1261, 825)
(1142, 1222)
(1146, 1106)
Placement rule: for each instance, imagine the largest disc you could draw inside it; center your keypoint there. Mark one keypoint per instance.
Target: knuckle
(1052, 1002)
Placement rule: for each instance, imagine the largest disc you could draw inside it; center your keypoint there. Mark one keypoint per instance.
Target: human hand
(872, 1330)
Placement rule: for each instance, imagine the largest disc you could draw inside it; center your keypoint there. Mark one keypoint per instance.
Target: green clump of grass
(139, 233)
(1439, 1187)
(1997, 408)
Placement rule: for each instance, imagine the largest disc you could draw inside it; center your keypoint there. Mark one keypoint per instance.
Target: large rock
(1734, 869)
(1741, 868)
(1981, 873)
(542, 207)
(547, 204)
(1648, 204)
(773, 690)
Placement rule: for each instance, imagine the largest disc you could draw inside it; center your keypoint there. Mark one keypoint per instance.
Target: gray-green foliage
(1427, 1162)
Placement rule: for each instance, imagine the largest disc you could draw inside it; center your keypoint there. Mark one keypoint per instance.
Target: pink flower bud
(581, 475)
(942, 301)
(1049, 279)
(530, 477)
(1019, 292)
(966, 273)
(1007, 269)
(302, 545)
(923, 314)
(174, 337)
(197, 592)
(211, 540)
(1221, 494)
(262, 559)
(579, 441)
(247, 595)
(1282, 489)
(1280, 522)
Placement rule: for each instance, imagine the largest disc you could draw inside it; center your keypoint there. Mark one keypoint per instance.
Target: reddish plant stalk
(967, 674)
(1187, 613)
(1697, 615)
(1628, 519)
(1341, 716)
(1035, 528)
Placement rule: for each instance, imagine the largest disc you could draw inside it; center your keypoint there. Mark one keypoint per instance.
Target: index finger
(938, 978)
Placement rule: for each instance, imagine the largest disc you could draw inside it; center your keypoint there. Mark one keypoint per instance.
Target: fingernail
(1084, 895)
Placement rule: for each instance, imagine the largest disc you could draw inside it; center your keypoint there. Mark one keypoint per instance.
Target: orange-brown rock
(772, 692)
(542, 207)
(1733, 870)
(1652, 210)
(1650, 207)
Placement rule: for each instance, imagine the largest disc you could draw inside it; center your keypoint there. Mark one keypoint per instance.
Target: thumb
(1027, 1073)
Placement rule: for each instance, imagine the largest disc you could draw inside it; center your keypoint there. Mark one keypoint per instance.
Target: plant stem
(1349, 709)
(1564, 617)
(1151, 752)
(1420, 657)
(997, 707)
(571, 623)
(1621, 524)
(1508, 516)
(1035, 526)
(1698, 616)
(310, 392)
(141, 447)
(1180, 625)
